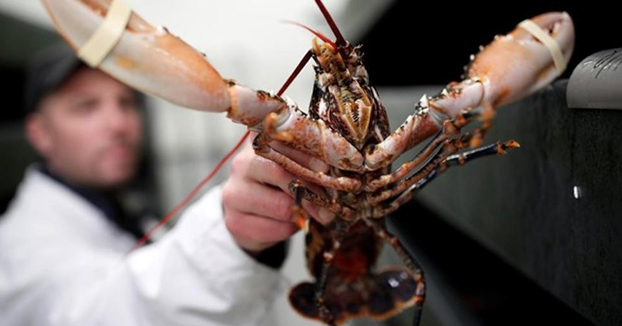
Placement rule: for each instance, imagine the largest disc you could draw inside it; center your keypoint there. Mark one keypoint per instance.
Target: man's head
(87, 128)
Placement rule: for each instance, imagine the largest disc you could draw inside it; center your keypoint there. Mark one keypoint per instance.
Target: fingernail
(317, 165)
(326, 216)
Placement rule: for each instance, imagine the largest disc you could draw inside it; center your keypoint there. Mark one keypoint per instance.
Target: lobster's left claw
(518, 64)
(508, 69)
(154, 61)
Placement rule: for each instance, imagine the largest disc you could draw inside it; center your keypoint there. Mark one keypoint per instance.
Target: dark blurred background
(429, 42)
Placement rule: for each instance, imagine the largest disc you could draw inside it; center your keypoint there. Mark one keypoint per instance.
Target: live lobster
(347, 128)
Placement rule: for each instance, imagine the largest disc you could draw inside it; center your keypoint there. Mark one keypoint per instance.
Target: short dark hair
(47, 72)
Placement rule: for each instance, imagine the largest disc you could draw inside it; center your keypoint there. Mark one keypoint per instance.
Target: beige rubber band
(548, 41)
(95, 50)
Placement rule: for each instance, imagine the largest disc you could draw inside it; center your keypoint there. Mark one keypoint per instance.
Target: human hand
(257, 200)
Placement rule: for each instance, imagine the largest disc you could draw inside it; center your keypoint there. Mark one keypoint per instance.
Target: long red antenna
(189, 196)
(295, 73)
(316, 33)
(331, 22)
(220, 164)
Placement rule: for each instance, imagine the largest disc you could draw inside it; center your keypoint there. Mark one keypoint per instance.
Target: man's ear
(38, 134)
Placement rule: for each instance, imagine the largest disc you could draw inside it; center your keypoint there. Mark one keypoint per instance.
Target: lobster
(347, 128)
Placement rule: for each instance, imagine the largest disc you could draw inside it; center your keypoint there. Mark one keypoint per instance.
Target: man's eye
(128, 103)
(85, 106)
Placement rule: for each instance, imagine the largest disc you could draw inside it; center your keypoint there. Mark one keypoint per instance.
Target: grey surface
(596, 83)
(524, 206)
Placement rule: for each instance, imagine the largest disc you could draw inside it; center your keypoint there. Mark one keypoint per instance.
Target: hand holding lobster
(258, 222)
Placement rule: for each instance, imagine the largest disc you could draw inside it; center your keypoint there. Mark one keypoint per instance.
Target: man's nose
(119, 118)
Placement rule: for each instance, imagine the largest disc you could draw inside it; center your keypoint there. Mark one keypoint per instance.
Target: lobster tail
(378, 296)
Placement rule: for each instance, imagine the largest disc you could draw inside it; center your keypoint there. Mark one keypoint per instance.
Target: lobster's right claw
(154, 61)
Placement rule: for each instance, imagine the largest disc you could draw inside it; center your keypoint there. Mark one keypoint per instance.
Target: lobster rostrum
(347, 128)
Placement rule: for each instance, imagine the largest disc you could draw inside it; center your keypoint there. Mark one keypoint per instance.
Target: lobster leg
(415, 129)
(449, 147)
(457, 159)
(479, 133)
(301, 219)
(299, 216)
(260, 144)
(341, 228)
(298, 189)
(449, 128)
(320, 289)
(410, 261)
(384, 180)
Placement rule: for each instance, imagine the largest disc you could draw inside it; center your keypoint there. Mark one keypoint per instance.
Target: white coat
(62, 262)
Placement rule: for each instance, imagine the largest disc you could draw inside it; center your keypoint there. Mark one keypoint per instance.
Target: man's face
(89, 130)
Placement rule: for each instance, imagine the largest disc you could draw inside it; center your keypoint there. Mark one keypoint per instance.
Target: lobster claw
(508, 69)
(154, 61)
(513, 65)
(524, 63)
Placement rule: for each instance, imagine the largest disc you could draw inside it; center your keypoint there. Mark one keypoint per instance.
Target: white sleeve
(195, 275)
(198, 275)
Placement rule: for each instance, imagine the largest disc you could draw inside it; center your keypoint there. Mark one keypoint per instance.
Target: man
(64, 257)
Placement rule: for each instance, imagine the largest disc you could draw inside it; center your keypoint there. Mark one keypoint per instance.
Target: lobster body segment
(346, 284)
(352, 288)
(342, 97)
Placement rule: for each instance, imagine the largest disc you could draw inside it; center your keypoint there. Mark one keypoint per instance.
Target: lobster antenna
(211, 175)
(331, 23)
(294, 74)
(321, 36)
(164, 221)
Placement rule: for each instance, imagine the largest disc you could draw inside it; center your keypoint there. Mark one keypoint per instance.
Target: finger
(250, 166)
(301, 158)
(265, 171)
(268, 172)
(254, 232)
(254, 198)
